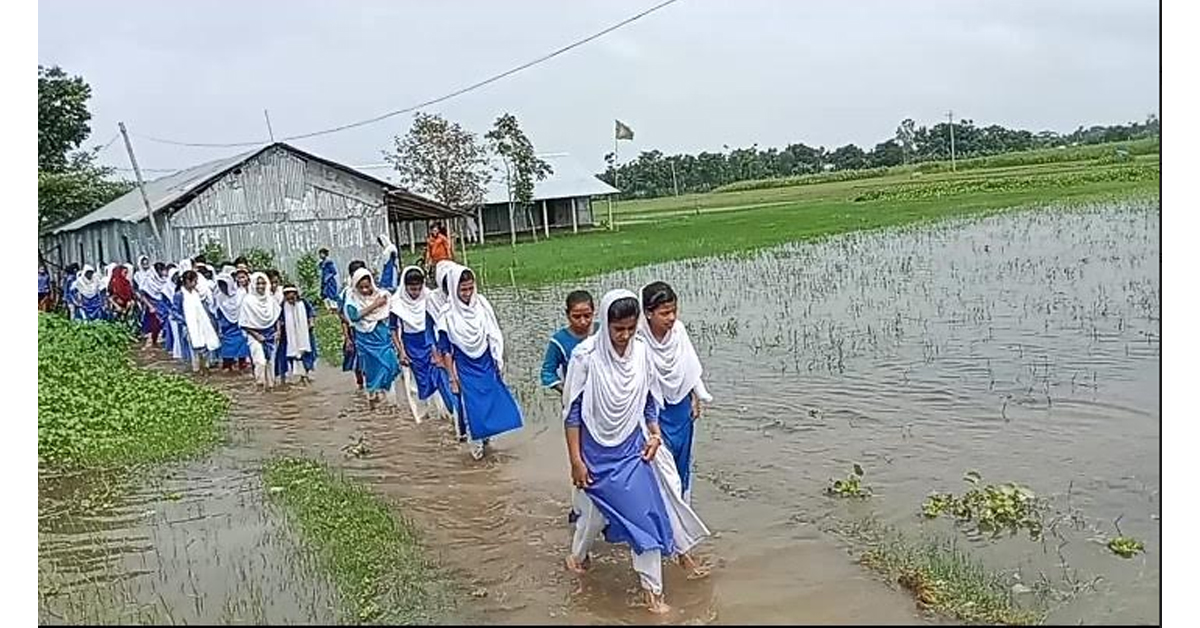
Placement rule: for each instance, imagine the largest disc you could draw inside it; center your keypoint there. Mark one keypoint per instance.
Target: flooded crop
(1023, 345)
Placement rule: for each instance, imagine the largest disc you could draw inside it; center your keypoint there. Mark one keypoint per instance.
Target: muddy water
(1023, 346)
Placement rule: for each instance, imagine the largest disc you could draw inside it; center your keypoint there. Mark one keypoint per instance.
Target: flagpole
(612, 226)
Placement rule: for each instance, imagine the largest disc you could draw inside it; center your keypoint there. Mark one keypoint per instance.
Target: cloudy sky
(696, 75)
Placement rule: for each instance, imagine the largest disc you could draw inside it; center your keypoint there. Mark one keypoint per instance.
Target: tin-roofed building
(277, 198)
(563, 200)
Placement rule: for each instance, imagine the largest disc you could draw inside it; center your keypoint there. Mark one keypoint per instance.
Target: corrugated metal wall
(112, 241)
(288, 205)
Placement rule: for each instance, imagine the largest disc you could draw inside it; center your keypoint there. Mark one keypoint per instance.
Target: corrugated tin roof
(161, 192)
(569, 179)
(165, 191)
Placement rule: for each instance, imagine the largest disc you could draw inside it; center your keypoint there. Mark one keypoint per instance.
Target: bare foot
(656, 603)
(577, 567)
(696, 569)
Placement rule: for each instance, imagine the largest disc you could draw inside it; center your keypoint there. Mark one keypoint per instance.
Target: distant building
(563, 200)
(277, 198)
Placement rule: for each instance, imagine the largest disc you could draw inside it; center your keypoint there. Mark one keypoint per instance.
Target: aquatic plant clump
(992, 508)
(95, 407)
(374, 558)
(1125, 547)
(851, 486)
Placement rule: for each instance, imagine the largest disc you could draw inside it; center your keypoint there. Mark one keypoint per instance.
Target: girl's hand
(405, 362)
(652, 445)
(381, 300)
(454, 386)
(580, 476)
(348, 346)
(697, 410)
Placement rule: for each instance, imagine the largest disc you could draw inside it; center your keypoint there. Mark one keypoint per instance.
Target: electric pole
(953, 163)
(140, 183)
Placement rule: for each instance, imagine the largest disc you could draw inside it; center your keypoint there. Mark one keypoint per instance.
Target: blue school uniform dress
(92, 309)
(309, 359)
(487, 405)
(418, 346)
(176, 315)
(329, 284)
(624, 487)
(678, 428)
(233, 340)
(162, 307)
(389, 277)
(375, 353)
(558, 355)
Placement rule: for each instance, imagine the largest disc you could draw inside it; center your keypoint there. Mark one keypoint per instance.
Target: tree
(75, 190)
(848, 157)
(62, 117)
(522, 164)
(70, 182)
(886, 154)
(442, 160)
(905, 136)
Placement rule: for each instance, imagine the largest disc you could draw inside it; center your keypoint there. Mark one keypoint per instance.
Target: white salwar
(614, 390)
(259, 311)
(203, 336)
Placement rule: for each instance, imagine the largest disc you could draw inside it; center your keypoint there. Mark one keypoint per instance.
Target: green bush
(308, 277)
(940, 189)
(96, 408)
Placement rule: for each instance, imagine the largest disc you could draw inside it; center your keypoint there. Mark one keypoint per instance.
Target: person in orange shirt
(438, 247)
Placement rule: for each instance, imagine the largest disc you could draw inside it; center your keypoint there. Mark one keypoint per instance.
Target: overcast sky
(696, 75)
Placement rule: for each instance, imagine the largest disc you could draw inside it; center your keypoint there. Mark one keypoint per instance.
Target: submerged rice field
(1024, 347)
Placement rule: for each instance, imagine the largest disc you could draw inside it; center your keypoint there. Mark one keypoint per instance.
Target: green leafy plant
(308, 277)
(851, 486)
(1125, 547)
(259, 259)
(95, 407)
(214, 252)
(989, 508)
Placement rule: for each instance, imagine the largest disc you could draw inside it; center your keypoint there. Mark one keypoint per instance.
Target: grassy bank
(96, 408)
(328, 332)
(680, 228)
(374, 558)
(944, 579)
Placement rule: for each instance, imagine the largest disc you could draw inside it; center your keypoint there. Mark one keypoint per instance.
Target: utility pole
(953, 163)
(270, 132)
(674, 181)
(141, 185)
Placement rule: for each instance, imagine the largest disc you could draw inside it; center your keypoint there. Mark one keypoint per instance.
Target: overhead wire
(421, 105)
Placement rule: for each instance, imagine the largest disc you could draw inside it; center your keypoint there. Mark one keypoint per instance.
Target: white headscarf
(109, 268)
(439, 300)
(675, 360)
(388, 250)
(229, 305)
(295, 325)
(410, 311)
(472, 327)
(184, 265)
(199, 325)
(365, 324)
(614, 387)
(259, 311)
(167, 287)
(87, 288)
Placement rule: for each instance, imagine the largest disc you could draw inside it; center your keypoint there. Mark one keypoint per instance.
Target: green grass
(328, 331)
(697, 226)
(943, 578)
(96, 408)
(374, 558)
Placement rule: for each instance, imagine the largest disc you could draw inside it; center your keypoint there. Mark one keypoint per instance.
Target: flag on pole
(623, 132)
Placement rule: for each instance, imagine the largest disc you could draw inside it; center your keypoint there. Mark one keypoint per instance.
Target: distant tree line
(650, 174)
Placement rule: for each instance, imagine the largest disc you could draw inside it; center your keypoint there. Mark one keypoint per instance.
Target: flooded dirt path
(1024, 346)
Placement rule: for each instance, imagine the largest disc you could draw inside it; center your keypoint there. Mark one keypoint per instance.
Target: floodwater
(1024, 346)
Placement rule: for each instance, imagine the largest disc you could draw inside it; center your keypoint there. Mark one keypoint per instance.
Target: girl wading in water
(476, 360)
(367, 306)
(259, 318)
(234, 349)
(412, 333)
(630, 489)
(439, 305)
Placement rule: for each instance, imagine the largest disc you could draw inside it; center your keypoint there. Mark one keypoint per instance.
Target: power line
(427, 103)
